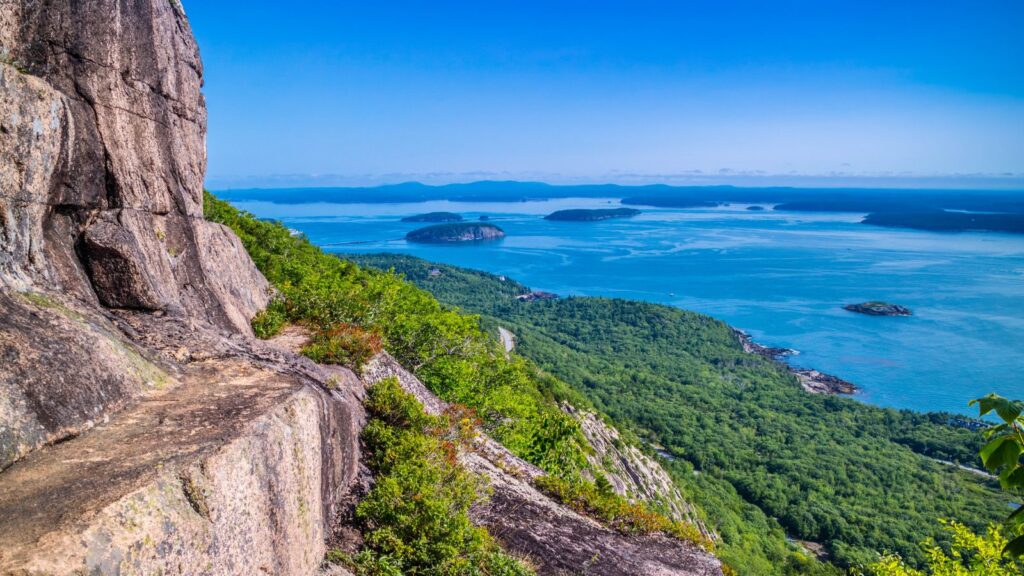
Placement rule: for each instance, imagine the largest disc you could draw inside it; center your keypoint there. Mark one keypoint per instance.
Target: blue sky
(318, 92)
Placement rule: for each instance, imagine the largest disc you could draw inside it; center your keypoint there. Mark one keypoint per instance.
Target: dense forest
(764, 459)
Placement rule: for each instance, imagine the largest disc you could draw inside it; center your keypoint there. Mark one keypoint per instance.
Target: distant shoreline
(989, 211)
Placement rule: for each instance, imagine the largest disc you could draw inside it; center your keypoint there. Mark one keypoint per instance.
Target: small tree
(1002, 455)
(970, 555)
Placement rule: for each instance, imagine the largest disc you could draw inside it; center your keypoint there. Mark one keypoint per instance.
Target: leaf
(1008, 410)
(1015, 548)
(1016, 478)
(1003, 451)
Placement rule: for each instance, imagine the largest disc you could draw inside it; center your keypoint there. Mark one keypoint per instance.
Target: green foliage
(415, 520)
(269, 321)
(354, 313)
(1002, 456)
(969, 554)
(764, 459)
(599, 501)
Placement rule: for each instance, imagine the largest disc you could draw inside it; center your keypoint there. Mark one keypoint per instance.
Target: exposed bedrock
(234, 469)
(103, 156)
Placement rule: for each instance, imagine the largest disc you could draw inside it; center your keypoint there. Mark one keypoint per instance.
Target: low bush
(599, 501)
(415, 520)
(345, 344)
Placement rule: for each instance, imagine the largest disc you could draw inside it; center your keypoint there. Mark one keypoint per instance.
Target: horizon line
(1001, 183)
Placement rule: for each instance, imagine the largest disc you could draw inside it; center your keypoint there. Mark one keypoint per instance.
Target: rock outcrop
(875, 308)
(811, 380)
(142, 429)
(632, 473)
(102, 159)
(232, 470)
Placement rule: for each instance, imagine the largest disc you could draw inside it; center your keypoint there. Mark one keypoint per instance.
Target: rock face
(234, 469)
(632, 473)
(142, 430)
(102, 159)
(102, 154)
(451, 233)
(878, 309)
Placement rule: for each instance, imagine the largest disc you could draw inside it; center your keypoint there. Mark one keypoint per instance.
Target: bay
(781, 276)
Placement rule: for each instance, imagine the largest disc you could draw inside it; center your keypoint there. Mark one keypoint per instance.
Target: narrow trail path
(508, 339)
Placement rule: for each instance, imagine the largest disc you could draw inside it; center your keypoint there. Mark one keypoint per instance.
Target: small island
(434, 217)
(755, 208)
(875, 308)
(584, 215)
(451, 233)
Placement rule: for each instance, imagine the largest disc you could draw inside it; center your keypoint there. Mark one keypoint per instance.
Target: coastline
(811, 380)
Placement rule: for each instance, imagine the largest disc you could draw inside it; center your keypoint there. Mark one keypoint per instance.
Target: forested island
(591, 215)
(434, 217)
(763, 458)
(458, 232)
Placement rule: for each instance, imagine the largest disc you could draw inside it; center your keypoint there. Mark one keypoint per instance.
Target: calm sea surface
(781, 276)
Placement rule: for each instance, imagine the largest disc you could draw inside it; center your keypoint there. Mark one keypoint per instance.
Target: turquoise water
(781, 276)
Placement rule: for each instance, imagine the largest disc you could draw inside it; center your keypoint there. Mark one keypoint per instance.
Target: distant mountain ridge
(818, 199)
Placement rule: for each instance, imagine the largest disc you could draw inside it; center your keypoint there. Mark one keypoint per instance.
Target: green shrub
(268, 322)
(969, 554)
(416, 518)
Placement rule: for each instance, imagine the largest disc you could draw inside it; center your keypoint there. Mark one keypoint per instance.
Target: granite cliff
(143, 428)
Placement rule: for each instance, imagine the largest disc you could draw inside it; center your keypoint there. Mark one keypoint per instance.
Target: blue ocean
(781, 276)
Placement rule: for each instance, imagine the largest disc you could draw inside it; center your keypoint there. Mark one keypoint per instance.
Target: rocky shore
(812, 380)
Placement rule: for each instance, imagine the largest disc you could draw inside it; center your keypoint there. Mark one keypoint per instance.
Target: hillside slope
(739, 429)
